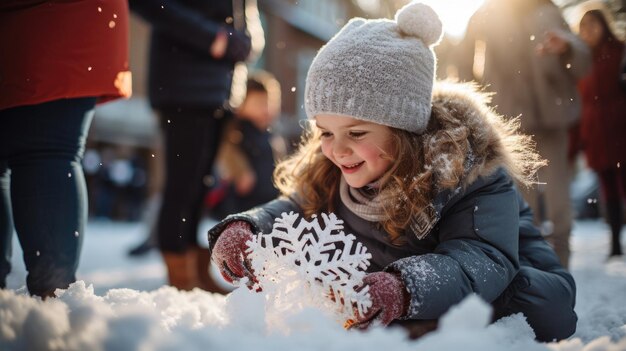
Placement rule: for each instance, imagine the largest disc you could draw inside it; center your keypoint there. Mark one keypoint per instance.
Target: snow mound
(168, 319)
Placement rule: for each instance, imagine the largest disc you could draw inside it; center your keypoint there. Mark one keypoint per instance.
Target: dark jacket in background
(182, 72)
(479, 239)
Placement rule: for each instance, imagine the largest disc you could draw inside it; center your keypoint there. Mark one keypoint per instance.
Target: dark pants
(613, 183)
(192, 137)
(43, 189)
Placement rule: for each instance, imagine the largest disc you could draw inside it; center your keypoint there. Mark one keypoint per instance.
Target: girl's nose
(341, 149)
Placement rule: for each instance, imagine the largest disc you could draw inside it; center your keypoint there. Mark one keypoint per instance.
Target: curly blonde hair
(453, 151)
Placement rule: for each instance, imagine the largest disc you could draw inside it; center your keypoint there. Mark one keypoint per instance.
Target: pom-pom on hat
(380, 71)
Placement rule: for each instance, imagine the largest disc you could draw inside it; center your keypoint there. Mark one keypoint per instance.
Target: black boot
(142, 249)
(614, 216)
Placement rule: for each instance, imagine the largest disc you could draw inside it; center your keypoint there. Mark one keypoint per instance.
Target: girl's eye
(326, 135)
(356, 134)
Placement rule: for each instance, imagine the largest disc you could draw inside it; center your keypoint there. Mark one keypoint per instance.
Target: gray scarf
(369, 206)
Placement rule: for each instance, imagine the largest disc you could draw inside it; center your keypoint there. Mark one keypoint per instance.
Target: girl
(602, 127)
(422, 178)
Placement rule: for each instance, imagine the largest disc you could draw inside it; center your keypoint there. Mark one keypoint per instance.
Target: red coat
(603, 123)
(51, 50)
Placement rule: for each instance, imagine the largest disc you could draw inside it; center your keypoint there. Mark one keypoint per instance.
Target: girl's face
(591, 30)
(363, 151)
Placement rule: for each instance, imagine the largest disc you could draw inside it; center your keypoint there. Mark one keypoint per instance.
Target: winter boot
(614, 217)
(181, 270)
(206, 281)
(142, 249)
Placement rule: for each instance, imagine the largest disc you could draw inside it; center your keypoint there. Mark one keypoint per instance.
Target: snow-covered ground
(119, 304)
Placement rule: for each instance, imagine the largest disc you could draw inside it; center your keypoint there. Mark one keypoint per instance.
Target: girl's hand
(230, 255)
(390, 300)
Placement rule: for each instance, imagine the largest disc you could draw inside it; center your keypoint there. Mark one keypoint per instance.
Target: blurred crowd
(223, 82)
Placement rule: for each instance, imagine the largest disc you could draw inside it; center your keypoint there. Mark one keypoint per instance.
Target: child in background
(247, 154)
(424, 179)
(603, 124)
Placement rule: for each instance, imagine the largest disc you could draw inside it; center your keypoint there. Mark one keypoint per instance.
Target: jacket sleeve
(542, 290)
(534, 250)
(190, 27)
(578, 57)
(477, 253)
(260, 218)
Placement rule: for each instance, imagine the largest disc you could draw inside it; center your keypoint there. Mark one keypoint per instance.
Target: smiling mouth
(352, 167)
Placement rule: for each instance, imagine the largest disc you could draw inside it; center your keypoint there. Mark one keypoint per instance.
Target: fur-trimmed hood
(466, 139)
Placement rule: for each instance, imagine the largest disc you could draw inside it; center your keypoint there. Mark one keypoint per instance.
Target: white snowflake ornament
(311, 264)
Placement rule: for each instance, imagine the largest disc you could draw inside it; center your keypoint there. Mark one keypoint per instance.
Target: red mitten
(230, 255)
(390, 299)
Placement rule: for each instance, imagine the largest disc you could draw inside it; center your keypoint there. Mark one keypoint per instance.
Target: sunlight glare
(454, 14)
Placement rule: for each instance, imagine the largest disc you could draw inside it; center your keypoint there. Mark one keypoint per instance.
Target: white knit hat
(380, 71)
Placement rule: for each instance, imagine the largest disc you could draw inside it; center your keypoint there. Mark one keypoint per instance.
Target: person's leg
(622, 187)
(609, 183)
(552, 145)
(191, 141)
(6, 223)
(48, 192)
(621, 178)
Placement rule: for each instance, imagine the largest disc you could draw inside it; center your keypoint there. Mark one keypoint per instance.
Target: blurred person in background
(525, 52)
(602, 129)
(247, 154)
(59, 58)
(196, 55)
